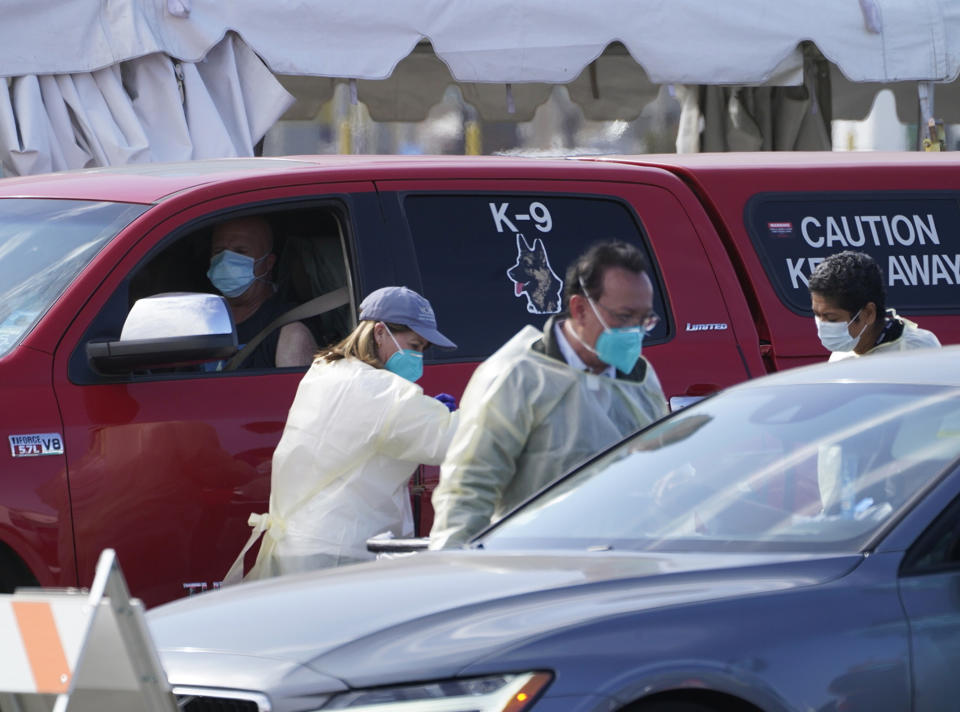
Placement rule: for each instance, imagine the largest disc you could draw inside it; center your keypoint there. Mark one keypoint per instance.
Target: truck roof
(758, 171)
(152, 182)
(785, 160)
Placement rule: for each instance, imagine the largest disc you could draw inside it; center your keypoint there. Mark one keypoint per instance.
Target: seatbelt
(317, 305)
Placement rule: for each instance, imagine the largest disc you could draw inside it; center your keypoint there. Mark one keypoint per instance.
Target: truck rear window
(44, 244)
(914, 237)
(491, 264)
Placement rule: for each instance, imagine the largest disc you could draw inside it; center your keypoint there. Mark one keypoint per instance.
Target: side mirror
(168, 330)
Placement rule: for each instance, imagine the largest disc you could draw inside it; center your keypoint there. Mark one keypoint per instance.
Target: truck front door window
(303, 257)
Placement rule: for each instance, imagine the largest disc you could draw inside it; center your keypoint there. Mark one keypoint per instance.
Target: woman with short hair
(358, 427)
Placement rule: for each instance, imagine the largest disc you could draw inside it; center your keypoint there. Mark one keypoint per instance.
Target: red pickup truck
(113, 442)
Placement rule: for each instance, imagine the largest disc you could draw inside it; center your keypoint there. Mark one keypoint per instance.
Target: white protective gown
(353, 437)
(913, 337)
(526, 419)
(830, 458)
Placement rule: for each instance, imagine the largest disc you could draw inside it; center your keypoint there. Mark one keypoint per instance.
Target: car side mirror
(168, 330)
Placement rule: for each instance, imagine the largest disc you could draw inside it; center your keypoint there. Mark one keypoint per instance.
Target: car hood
(440, 611)
(210, 671)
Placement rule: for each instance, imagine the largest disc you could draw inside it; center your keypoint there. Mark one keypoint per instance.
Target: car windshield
(44, 244)
(812, 467)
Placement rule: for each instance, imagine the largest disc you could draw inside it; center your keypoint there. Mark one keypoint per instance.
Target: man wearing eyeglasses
(546, 401)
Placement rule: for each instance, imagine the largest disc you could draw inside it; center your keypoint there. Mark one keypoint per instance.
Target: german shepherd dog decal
(533, 276)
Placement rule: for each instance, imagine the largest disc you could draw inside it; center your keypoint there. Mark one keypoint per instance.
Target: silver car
(791, 544)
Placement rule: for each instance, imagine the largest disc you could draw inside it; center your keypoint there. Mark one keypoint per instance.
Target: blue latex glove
(448, 400)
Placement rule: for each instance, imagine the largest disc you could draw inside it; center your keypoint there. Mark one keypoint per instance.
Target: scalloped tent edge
(124, 63)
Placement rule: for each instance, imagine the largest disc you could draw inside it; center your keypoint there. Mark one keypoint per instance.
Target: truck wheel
(13, 572)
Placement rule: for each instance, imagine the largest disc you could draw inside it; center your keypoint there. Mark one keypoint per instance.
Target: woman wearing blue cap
(358, 427)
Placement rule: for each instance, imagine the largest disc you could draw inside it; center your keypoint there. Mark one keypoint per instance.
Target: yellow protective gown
(353, 437)
(526, 419)
(913, 337)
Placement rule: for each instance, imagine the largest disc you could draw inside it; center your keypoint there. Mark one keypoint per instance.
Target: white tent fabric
(780, 118)
(73, 67)
(147, 109)
(612, 87)
(500, 41)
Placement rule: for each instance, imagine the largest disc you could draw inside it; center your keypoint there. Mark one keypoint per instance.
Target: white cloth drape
(715, 118)
(148, 109)
(504, 54)
(610, 52)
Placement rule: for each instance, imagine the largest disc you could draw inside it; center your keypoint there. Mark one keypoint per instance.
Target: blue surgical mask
(406, 363)
(619, 347)
(232, 273)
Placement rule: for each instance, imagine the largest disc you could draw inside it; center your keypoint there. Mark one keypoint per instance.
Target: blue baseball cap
(399, 305)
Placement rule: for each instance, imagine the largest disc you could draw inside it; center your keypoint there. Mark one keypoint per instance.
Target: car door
(492, 255)
(930, 592)
(165, 466)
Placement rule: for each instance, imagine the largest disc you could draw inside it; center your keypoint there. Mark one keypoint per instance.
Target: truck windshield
(44, 244)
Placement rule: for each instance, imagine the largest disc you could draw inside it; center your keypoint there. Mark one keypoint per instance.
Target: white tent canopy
(681, 41)
(504, 54)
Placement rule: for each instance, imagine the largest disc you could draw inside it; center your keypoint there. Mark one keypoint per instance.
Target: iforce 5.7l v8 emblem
(36, 444)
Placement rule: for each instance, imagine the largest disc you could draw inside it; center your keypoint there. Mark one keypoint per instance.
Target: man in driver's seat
(241, 259)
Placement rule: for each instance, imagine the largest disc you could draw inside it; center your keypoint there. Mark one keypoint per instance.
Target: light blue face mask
(835, 335)
(618, 347)
(406, 363)
(232, 273)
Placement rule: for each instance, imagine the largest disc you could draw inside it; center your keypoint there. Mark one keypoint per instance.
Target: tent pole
(928, 134)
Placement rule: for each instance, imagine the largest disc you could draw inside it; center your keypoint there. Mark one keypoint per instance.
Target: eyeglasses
(628, 319)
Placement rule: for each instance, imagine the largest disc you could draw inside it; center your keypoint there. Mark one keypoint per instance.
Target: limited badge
(36, 444)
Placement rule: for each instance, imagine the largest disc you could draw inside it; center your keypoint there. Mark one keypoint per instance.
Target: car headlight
(496, 693)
